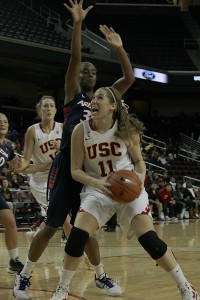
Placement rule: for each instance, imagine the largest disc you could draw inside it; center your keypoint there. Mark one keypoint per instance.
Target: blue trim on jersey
(75, 111)
(6, 154)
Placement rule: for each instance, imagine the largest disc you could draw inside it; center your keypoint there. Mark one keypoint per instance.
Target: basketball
(125, 186)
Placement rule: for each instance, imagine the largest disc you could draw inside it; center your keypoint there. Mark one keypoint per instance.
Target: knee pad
(76, 242)
(153, 244)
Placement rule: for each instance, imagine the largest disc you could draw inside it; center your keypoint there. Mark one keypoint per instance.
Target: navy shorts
(3, 204)
(63, 192)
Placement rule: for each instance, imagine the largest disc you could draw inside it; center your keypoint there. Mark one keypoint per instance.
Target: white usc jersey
(105, 153)
(43, 151)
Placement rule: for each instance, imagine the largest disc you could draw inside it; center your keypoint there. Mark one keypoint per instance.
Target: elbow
(73, 174)
(130, 80)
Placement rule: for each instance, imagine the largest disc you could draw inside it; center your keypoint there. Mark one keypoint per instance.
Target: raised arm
(72, 87)
(114, 40)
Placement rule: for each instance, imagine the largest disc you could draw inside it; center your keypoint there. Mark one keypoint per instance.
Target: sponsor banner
(150, 75)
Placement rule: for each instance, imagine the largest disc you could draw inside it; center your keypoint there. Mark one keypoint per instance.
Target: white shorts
(102, 208)
(39, 191)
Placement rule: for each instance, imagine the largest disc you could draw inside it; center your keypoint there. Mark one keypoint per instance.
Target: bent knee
(76, 242)
(153, 244)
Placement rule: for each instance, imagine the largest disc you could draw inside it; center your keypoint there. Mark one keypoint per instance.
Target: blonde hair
(2, 114)
(39, 105)
(127, 123)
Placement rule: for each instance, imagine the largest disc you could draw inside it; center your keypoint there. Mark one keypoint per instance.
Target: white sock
(28, 267)
(66, 277)
(13, 253)
(177, 274)
(99, 270)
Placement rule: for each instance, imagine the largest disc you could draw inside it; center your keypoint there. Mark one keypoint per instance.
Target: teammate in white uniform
(42, 143)
(110, 141)
(44, 151)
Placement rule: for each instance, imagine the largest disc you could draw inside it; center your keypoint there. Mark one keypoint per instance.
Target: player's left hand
(16, 162)
(112, 37)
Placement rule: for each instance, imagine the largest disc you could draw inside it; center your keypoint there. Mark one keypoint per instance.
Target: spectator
(189, 195)
(6, 173)
(7, 194)
(148, 179)
(166, 177)
(178, 196)
(173, 183)
(161, 183)
(156, 205)
(163, 161)
(155, 176)
(154, 154)
(14, 181)
(168, 202)
(198, 196)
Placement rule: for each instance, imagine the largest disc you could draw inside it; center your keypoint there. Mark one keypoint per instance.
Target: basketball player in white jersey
(42, 143)
(108, 142)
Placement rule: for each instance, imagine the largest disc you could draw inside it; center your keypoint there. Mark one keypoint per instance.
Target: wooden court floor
(125, 261)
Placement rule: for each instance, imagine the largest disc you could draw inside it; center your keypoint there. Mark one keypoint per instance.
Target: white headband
(114, 98)
(112, 94)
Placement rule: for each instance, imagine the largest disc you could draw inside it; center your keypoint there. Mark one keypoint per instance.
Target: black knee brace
(76, 242)
(153, 244)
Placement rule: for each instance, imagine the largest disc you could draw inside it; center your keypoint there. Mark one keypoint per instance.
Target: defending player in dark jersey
(7, 219)
(60, 180)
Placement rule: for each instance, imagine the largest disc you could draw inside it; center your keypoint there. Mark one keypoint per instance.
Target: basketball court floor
(123, 260)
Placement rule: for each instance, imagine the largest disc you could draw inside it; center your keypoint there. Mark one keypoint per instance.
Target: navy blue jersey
(75, 111)
(6, 154)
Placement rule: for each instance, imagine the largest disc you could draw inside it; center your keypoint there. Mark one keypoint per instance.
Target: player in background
(7, 218)
(42, 143)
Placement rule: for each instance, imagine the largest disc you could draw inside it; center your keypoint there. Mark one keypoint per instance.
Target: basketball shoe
(63, 238)
(14, 266)
(61, 293)
(188, 292)
(111, 288)
(21, 286)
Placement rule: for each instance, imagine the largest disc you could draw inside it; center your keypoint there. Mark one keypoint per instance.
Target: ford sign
(148, 75)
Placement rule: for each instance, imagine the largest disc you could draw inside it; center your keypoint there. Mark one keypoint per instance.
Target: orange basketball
(125, 186)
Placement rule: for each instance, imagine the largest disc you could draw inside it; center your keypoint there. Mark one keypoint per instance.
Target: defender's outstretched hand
(112, 37)
(77, 11)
